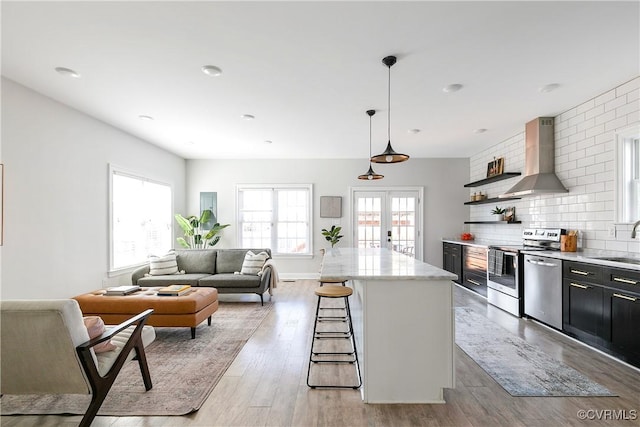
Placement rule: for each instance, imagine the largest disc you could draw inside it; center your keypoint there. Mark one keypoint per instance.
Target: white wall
(442, 179)
(56, 193)
(584, 156)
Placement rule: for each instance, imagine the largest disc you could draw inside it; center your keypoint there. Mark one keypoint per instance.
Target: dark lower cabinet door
(584, 307)
(625, 321)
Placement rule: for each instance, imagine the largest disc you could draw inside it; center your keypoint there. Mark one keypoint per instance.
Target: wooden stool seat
(333, 291)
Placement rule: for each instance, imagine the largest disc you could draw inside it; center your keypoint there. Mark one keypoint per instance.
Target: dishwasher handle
(542, 263)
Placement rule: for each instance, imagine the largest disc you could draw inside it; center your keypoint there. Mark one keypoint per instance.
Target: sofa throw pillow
(95, 328)
(253, 263)
(161, 265)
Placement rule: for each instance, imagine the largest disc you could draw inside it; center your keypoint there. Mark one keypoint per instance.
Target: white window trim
(308, 187)
(113, 272)
(622, 137)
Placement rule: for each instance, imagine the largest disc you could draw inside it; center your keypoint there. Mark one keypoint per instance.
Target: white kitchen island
(403, 317)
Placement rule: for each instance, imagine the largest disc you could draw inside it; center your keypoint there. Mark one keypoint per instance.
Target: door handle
(474, 282)
(626, 297)
(575, 285)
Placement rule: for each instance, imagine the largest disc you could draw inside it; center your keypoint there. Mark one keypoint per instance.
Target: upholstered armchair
(46, 349)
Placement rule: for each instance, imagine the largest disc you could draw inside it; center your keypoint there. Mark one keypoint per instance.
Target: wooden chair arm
(116, 329)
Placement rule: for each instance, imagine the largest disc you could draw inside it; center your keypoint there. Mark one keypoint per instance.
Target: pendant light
(389, 155)
(370, 175)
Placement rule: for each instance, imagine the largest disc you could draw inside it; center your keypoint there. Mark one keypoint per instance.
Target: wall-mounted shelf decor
(491, 200)
(496, 178)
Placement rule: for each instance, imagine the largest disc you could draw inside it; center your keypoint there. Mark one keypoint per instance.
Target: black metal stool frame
(347, 334)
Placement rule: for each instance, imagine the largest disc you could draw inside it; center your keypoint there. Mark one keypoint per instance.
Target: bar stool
(334, 291)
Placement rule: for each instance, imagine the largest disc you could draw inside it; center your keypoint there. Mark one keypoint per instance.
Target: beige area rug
(183, 371)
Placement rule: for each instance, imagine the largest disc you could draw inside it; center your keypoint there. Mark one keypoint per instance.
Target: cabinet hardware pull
(626, 297)
(473, 282)
(629, 281)
(575, 285)
(583, 273)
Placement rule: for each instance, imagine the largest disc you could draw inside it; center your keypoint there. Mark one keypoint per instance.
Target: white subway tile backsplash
(605, 97)
(605, 117)
(630, 86)
(585, 162)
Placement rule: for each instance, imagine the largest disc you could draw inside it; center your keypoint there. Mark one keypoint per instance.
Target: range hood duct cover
(540, 177)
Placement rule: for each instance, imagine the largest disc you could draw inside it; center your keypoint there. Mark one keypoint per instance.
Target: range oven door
(502, 272)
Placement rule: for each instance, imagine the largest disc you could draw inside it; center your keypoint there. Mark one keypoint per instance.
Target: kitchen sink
(620, 259)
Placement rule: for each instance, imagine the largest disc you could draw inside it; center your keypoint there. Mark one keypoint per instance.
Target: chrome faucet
(633, 231)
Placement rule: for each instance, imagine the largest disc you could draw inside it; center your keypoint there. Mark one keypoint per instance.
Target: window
(628, 176)
(140, 218)
(275, 217)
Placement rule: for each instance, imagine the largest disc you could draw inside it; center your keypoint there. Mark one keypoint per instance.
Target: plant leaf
(183, 242)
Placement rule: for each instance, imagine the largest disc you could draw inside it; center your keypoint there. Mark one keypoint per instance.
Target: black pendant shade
(389, 155)
(370, 175)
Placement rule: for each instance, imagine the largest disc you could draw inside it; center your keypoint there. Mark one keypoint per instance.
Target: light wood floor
(266, 384)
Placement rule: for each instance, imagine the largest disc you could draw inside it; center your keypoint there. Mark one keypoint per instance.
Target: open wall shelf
(496, 178)
(491, 200)
(493, 222)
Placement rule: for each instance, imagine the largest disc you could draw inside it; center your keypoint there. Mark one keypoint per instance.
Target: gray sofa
(210, 268)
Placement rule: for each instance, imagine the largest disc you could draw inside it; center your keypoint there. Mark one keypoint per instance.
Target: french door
(385, 218)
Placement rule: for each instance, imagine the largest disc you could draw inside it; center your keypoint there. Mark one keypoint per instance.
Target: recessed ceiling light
(414, 131)
(68, 72)
(211, 70)
(452, 88)
(268, 141)
(248, 117)
(191, 143)
(146, 118)
(548, 88)
(481, 130)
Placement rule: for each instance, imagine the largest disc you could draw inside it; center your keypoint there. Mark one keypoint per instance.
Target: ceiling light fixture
(370, 175)
(481, 130)
(146, 118)
(68, 72)
(389, 155)
(248, 117)
(452, 88)
(414, 131)
(211, 70)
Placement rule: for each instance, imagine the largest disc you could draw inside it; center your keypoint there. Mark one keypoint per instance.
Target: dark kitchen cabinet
(583, 310)
(622, 302)
(601, 306)
(583, 306)
(452, 259)
(474, 269)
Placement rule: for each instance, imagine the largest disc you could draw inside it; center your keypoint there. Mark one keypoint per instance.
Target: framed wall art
(330, 207)
(495, 167)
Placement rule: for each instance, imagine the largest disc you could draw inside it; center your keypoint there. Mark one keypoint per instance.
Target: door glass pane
(403, 224)
(369, 211)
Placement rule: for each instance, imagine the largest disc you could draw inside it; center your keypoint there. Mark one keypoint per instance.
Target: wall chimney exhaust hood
(539, 159)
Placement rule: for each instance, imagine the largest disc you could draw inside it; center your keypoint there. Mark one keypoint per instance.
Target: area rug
(183, 371)
(519, 367)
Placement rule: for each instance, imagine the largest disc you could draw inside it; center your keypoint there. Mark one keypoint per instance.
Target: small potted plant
(332, 235)
(500, 212)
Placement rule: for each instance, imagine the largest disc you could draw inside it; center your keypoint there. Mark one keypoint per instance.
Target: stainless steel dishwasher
(543, 289)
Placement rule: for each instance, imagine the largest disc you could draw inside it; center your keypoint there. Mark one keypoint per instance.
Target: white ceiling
(308, 71)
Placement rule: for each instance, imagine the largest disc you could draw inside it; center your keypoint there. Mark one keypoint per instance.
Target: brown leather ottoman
(186, 310)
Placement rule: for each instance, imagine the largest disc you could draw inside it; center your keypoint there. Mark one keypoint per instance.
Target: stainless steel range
(505, 267)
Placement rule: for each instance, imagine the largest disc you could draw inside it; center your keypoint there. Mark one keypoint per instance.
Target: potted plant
(332, 235)
(194, 236)
(500, 212)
